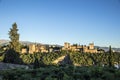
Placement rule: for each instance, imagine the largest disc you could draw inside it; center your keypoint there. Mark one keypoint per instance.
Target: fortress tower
(91, 46)
(66, 45)
(32, 48)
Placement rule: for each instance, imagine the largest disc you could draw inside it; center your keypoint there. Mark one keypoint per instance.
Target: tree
(12, 57)
(14, 37)
(110, 56)
(36, 64)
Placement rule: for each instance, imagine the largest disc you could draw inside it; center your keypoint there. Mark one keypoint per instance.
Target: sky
(59, 21)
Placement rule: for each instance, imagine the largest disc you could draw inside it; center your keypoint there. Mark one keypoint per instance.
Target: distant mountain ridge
(5, 42)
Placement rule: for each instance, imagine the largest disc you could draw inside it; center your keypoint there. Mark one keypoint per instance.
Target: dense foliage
(88, 59)
(62, 73)
(78, 59)
(12, 57)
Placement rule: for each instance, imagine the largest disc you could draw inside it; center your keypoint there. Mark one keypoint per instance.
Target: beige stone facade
(33, 48)
(24, 50)
(80, 48)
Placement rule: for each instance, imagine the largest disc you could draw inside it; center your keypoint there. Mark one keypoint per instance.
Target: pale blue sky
(59, 21)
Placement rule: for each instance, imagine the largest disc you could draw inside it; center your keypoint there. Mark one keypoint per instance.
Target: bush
(62, 73)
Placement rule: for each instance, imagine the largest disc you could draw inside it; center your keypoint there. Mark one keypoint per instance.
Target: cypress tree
(12, 55)
(14, 37)
(110, 56)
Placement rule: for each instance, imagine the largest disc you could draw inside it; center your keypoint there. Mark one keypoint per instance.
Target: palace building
(33, 48)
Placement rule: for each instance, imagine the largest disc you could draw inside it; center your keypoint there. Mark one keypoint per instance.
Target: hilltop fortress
(33, 48)
(80, 48)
